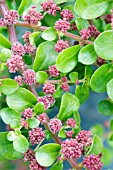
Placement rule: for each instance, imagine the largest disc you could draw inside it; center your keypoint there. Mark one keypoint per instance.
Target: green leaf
(107, 160)
(110, 89)
(5, 54)
(6, 148)
(15, 124)
(21, 144)
(8, 86)
(101, 77)
(66, 110)
(60, 1)
(27, 59)
(2, 67)
(111, 137)
(33, 37)
(8, 115)
(105, 107)
(103, 45)
(33, 122)
(45, 56)
(41, 77)
(81, 23)
(11, 136)
(87, 55)
(90, 9)
(4, 42)
(97, 130)
(88, 71)
(47, 154)
(67, 59)
(111, 124)
(57, 166)
(79, 92)
(49, 34)
(21, 99)
(96, 147)
(62, 133)
(73, 76)
(39, 108)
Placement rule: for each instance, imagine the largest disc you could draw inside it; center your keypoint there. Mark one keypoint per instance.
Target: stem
(43, 28)
(60, 81)
(11, 28)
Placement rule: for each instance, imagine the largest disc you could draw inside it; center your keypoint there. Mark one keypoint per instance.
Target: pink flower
(53, 71)
(64, 79)
(36, 135)
(51, 99)
(29, 76)
(92, 162)
(2, 22)
(50, 8)
(62, 25)
(29, 155)
(29, 49)
(84, 137)
(49, 88)
(26, 36)
(85, 34)
(33, 17)
(15, 63)
(71, 122)
(11, 17)
(34, 165)
(100, 61)
(24, 123)
(45, 101)
(69, 134)
(61, 45)
(66, 15)
(71, 149)
(42, 118)
(18, 49)
(65, 87)
(28, 113)
(55, 125)
(19, 80)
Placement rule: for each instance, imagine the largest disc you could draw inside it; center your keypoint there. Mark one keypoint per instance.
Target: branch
(43, 28)
(11, 28)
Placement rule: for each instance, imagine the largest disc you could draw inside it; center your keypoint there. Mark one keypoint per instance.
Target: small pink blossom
(26, 36)
(66, 15)
(45, 101)
(28, 113)
(29, 155)
(71, 122)
(29, 49)
(55, 125)
(42, 118)
(62, 25)
(53, 71)
(11, 17)
(18, 49)
(61, 45)
(29, 77)
(24, 123)
(65, 87)
(69, 134)
(19, 80)
(49, 88)
(85, 33)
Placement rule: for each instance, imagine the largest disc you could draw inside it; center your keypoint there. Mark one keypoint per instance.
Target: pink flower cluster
(18, 49)
(33, 17)
(36, 135)
(11, 17)
(49, 88)
(100, 61)
(69, 134)
(85, 33)
(66, 15)
(30, 156)
(28, 113)
(19, 80)
(92, 162)
(26, 36)
(61, 45)
(30, 49)
(24, 123)
(29, 76)
(50, 8)
(71, 122)
(48, 101)
(53, 71)
(62, 25)
(55, 125)
(2, 23)
(71, 149)
(42, 118)
(65, 85)
(15, 63)
(84, 137)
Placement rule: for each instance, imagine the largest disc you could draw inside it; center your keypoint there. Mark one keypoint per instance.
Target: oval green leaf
(4, 42)
(67, 59)
(33, 122)
(41, 77)
(49, 34)
(105, 107)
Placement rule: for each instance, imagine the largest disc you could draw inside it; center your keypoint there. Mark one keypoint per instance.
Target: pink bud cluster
(84, 137)
(24, 123)
(69, 134)
(62, 25)
(71, 122)
(30, 156)
(55, 125)
(2, 23)
(19, 80)
(28, 113)
(33, 17)
(65, 85)
(93, 31)
(53, 71)
(48, 101)
(36, 135)
(66, 15)
(29, 76)
(42, 118)
(49, 88)
(85, 33)
(92, 162)
(11, 17)
(15, 63)
(26, 36)
(71, 149)
(61, 45)
(50, 8)
(100, 61)
(29, 49)
(18, 49)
